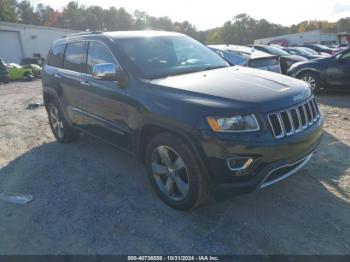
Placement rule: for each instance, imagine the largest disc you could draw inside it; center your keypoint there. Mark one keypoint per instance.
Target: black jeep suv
(198, 124)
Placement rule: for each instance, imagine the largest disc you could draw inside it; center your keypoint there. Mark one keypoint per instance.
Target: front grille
(293, 120)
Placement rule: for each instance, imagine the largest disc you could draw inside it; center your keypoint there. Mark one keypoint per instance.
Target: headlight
(237, 123)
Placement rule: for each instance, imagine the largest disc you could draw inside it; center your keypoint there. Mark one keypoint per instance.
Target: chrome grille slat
(315, 108)
(311, 112)
(281, 124)
(293, 120)
(306, 115)
(300, 127)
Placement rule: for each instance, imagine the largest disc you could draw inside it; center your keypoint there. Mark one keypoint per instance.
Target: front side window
(55, 57)
(155, 57)
(98, 53)
(74, 57)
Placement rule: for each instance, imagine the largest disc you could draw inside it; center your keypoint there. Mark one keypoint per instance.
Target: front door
(105, 105)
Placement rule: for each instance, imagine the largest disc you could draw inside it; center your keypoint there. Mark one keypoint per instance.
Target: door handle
(84, 83)
(57, 76)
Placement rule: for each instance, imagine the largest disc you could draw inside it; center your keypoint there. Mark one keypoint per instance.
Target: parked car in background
(198, 124)
(313, 51)
(320, 48)
(17, 72)
(329, 72)
(286, 59)
(302, 52)
(4, 74)
(246, 56)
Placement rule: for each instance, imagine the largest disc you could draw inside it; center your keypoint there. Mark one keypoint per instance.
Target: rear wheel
(175, 173)
(313, 80)
(61, 129)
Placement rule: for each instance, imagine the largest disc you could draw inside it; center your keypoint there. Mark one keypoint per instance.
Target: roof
(126, 34)
(135, 34)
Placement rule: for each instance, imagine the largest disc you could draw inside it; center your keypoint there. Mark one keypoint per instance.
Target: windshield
(275, 50)
(162, 56)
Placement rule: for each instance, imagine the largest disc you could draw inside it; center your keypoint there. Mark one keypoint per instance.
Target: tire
(63, 132)
(313, 80)
(192, 189)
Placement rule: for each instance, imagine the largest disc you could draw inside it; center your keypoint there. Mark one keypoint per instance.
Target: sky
(208, 14)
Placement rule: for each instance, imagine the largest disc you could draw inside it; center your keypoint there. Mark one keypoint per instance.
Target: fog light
(239, 163)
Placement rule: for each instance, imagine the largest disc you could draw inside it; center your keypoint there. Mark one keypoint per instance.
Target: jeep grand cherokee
(198, 124)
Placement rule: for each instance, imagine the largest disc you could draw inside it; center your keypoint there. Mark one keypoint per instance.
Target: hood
(240, 85)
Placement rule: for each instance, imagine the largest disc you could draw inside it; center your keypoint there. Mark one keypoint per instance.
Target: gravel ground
(90, 198)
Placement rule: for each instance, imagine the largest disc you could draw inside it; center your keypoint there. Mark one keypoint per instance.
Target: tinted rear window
(74, 57)
(55, 57)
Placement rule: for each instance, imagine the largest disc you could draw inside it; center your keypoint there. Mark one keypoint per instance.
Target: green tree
(8, 10)
(48, 16)
(94, 18)
(27, 14)
(73, 17)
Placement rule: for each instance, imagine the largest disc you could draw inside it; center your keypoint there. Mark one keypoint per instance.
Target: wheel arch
(48, 95)
(305, 70)
(150, 130)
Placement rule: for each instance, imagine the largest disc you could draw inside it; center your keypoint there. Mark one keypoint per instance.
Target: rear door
(52, 69)
(71, 78)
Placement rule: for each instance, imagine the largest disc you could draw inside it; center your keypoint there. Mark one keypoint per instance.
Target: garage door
(10, 47)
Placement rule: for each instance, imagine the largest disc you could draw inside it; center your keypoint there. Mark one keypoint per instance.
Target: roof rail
(83, 33)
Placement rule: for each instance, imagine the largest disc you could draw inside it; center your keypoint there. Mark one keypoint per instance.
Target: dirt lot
(90, 198)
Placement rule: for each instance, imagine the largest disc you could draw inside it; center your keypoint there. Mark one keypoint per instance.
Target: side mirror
(109, 72)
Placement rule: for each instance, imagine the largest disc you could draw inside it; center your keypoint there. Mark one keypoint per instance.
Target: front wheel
(313, 80)
(61, 129)
(175, 173)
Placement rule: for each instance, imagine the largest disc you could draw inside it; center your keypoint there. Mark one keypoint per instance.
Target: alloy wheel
(170, 173)
(56, 121)
(310, 80)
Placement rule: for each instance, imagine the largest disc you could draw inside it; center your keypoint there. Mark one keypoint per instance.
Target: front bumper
(274, 160)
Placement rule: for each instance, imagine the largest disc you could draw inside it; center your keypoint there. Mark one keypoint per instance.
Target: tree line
(242, 29)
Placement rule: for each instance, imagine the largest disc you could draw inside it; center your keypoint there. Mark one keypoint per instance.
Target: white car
(247, 56)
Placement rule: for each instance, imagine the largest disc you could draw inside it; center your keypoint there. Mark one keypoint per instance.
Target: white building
(19, 41)
(310, 37)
